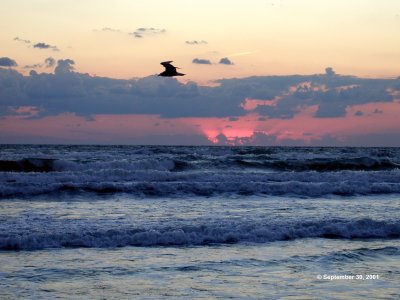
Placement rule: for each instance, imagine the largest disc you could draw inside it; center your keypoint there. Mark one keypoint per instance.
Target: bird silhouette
(170, 70)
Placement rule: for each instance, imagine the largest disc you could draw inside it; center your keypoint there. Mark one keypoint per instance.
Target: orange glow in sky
(210, 41)
(260, 37)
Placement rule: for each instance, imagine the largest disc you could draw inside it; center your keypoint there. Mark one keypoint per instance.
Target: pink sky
(304, 128)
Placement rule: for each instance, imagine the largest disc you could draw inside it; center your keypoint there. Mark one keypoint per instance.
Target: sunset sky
(258, 72)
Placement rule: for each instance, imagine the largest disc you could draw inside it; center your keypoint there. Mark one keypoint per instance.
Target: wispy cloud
(377, 111)
(22, 40)
(242, 53)
(48, 63)
(109, 29)
(39, 45)
(147, 31)
(34, 66)
(195, 42)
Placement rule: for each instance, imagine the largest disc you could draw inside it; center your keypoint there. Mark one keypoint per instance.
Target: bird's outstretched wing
(168, 67)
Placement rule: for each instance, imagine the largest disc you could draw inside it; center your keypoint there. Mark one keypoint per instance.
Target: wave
(183, 189)
(187, 162)
(204, 171)
(28, 165)
(361, 254)
(200, 234)
(323, 164)
(162, 179)
(59, 165)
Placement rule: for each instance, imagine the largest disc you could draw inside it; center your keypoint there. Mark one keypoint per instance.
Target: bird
(170, 70)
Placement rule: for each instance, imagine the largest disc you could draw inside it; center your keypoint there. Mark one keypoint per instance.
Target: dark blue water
(186, 222)
(157, 171)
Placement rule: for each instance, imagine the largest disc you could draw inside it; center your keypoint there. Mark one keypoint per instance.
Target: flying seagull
(170, 70)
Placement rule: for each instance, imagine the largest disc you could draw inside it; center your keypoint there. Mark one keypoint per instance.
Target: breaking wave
(200, 234)
(206, 171)
(325, 164)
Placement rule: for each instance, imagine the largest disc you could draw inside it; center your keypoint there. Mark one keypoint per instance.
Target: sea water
(123, 222)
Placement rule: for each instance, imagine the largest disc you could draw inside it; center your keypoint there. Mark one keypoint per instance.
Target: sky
(258, 72)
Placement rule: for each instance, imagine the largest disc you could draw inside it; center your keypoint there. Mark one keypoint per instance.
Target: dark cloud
(334, 101)
(377, 111)
(331, 110)
(201, 61)
(45, 46)
(257, 138)
(179, 139)
(194, 42)
(11, 90)
(386, 139)
(359, 113)
(264, 139)
(222, 140)
(233, 119)
(330, 72)
(42, 46)
(160, 139)
(143, 31)
(49, 62)
(22, 40)
(81, 94)
(7, 62)
(225, 61)
(64, 66)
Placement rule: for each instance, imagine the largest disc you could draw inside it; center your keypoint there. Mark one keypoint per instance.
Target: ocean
(179, 222)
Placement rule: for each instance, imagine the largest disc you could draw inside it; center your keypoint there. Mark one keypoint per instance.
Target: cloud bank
(279, 97)
(261, 110)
